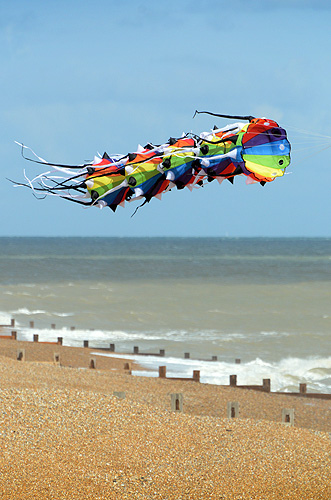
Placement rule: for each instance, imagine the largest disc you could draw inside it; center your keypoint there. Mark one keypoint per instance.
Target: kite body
(258, 150)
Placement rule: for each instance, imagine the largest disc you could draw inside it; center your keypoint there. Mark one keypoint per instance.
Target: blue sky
(79, 78)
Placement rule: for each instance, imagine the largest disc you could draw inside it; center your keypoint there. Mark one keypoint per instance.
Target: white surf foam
(25, 311)
(76, 336)
(5, 318)
(285, 375)
(62, 315)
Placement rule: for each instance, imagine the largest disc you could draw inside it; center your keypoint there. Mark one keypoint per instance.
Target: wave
(274, 334)
(285, 375)
(5, 318)
(76, 336)
(25, 311)
(31, 312)
(62, 315)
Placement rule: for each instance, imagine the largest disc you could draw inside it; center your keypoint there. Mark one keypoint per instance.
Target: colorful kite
(258, 150)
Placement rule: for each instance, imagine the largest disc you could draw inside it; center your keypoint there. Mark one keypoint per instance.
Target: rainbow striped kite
(258, 150)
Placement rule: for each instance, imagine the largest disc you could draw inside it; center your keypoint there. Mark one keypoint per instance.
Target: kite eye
(94, 195)
(166, 163)
(132, 181)
(281, 162)
(204, 149)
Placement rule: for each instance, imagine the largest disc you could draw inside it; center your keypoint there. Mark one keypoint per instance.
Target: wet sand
(65, 435)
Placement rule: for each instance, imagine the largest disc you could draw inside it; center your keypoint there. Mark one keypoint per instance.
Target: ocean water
(265, 301)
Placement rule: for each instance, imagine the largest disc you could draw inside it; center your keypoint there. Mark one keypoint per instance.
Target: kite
(258, 150)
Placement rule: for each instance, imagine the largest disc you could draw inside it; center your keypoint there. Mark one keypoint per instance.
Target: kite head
(266, 150)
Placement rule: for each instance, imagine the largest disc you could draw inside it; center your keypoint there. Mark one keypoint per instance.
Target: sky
(79, 78)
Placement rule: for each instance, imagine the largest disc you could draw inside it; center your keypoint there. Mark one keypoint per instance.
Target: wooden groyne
(264, 387)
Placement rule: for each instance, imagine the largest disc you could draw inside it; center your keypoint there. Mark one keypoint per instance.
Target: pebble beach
(67, 433)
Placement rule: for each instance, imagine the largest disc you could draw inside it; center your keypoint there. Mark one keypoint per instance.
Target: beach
(87, 423)
(65, 434)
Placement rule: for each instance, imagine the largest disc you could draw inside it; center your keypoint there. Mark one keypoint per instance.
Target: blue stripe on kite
(147, 185)
(181, 169)
(278, 148)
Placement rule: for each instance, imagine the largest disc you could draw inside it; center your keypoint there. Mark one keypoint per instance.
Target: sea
(263, 301)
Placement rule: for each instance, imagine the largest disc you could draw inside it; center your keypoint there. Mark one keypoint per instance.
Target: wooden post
(186, 355)
(176, 402)
(162, 371)
(85, 343)
(14, 334)
(288, 416)
(214, 358)
(232, 409)
(266, 384)
(196, 375)
(60, 340)
(20, 356)
(72, 328)
(56, 358)
(136, 350)
(127, 368)
(303, 388)
(36, 337)
(93, 363)
(12, 322)
(233, 380)
(238, 361)
(53, 326)
(112, 347)
(162, 352)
